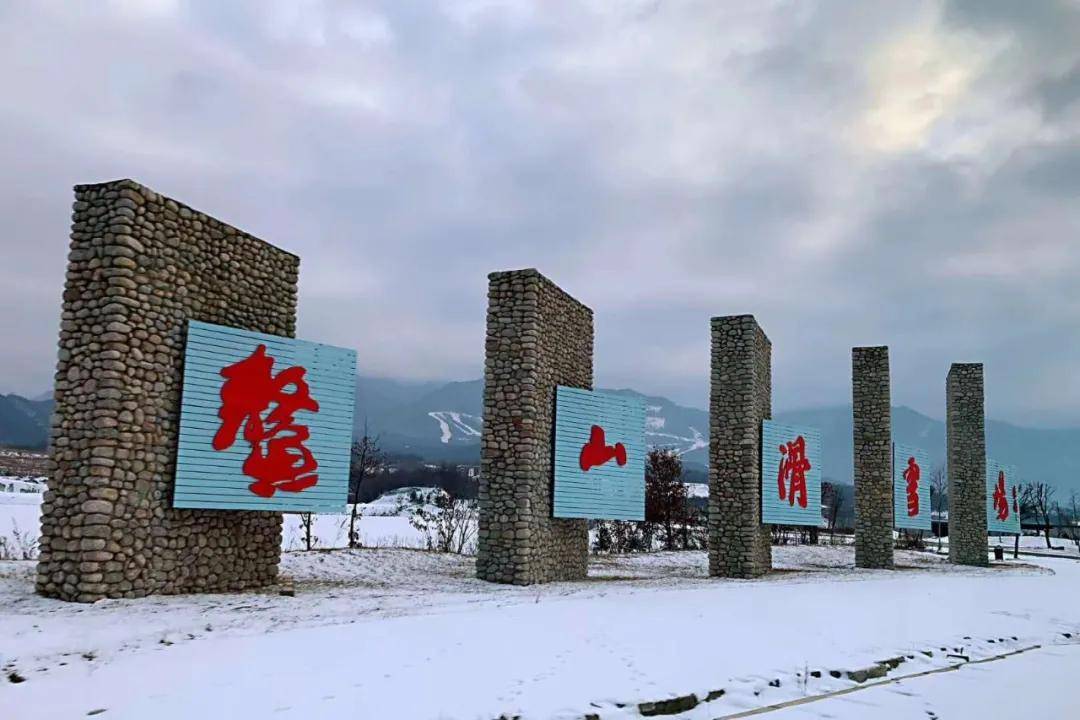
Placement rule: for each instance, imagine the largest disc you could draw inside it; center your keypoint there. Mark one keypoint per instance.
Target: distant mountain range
(24, 423)
(443, 422)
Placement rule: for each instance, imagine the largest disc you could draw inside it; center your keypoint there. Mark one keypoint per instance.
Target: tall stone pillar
(966, 438)
(740, 398)
(140, 266)
(872, 435)
(538, 337)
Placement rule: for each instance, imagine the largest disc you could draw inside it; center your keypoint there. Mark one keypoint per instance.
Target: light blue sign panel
(790, 474)
(599, 456)
(1002, 498)
(265, 424)
(911, 488)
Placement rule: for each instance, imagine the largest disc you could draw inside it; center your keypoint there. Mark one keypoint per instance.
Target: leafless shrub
(448, 524)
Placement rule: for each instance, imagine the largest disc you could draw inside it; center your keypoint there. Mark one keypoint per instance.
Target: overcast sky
(901, 174)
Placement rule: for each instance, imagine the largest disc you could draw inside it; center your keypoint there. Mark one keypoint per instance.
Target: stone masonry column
(140, 266)
(872, 435)
(740, 398)
(538, 337)
(966, 438)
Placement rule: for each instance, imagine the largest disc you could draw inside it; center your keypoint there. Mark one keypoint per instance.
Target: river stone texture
(140, 266)
(538, 337)
(965, 429)
(872, 435)
(740, 398)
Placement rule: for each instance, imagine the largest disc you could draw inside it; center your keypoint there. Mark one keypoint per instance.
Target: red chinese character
(596, 452)
(793, 467)
(249, 389)
(911, 474)
(1001, 500)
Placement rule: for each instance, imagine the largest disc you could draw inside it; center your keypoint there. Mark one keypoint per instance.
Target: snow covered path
(1037, 684)
(406, 634)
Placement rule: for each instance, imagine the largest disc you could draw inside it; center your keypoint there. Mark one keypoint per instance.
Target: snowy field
(408, 634)
(383, 524)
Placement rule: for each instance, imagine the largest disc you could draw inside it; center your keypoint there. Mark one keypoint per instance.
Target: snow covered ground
(383, 524)
(409, 634)
(1034, 684)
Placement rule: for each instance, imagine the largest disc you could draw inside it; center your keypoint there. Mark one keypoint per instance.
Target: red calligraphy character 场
(912, 474)
(1001, 500)
(792, 473)
(278, 459)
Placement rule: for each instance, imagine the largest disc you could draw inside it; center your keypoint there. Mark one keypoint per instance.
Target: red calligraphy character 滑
(792, 473)
(278, 459)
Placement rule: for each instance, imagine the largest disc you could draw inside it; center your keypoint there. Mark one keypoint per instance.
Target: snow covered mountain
(446, 422)
(443, 422)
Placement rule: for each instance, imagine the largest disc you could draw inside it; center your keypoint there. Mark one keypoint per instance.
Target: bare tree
(1068, 519)
(939, 498)
(1040, 498)
(366, 458)
(833, 500)
(306, 522)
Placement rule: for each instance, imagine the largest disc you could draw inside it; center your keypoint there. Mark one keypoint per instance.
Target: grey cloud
(1059, 93)
(664, 163)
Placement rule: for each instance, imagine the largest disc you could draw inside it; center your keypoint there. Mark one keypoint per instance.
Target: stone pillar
(965, 429)
(740, 398)
(538, 337)
(140, 266)
(872, 435)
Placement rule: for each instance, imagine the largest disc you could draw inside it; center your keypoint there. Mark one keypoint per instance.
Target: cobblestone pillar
(966, 433)
(872, 435)
(740, 398)
(140, 266)
(538, 337)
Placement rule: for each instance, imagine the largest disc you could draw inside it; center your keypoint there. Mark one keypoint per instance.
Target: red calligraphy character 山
(1001, 500)
(911, 475)
(596, 452)
(793, 467)
(278, 459)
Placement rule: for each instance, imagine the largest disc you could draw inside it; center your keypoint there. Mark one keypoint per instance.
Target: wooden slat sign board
(1002, 498)
(265, 424)
(599, 456)
(790, 474)
(911, 488)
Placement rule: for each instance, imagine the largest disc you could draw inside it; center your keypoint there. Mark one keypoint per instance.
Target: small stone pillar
(965, 427)
(141, 265)
(740, 398)
(538, 337)
(872, 436)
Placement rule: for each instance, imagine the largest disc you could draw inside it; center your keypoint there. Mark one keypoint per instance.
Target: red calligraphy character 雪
(278, 459)
(1001, 500)
(911, 475)
(792, 474)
